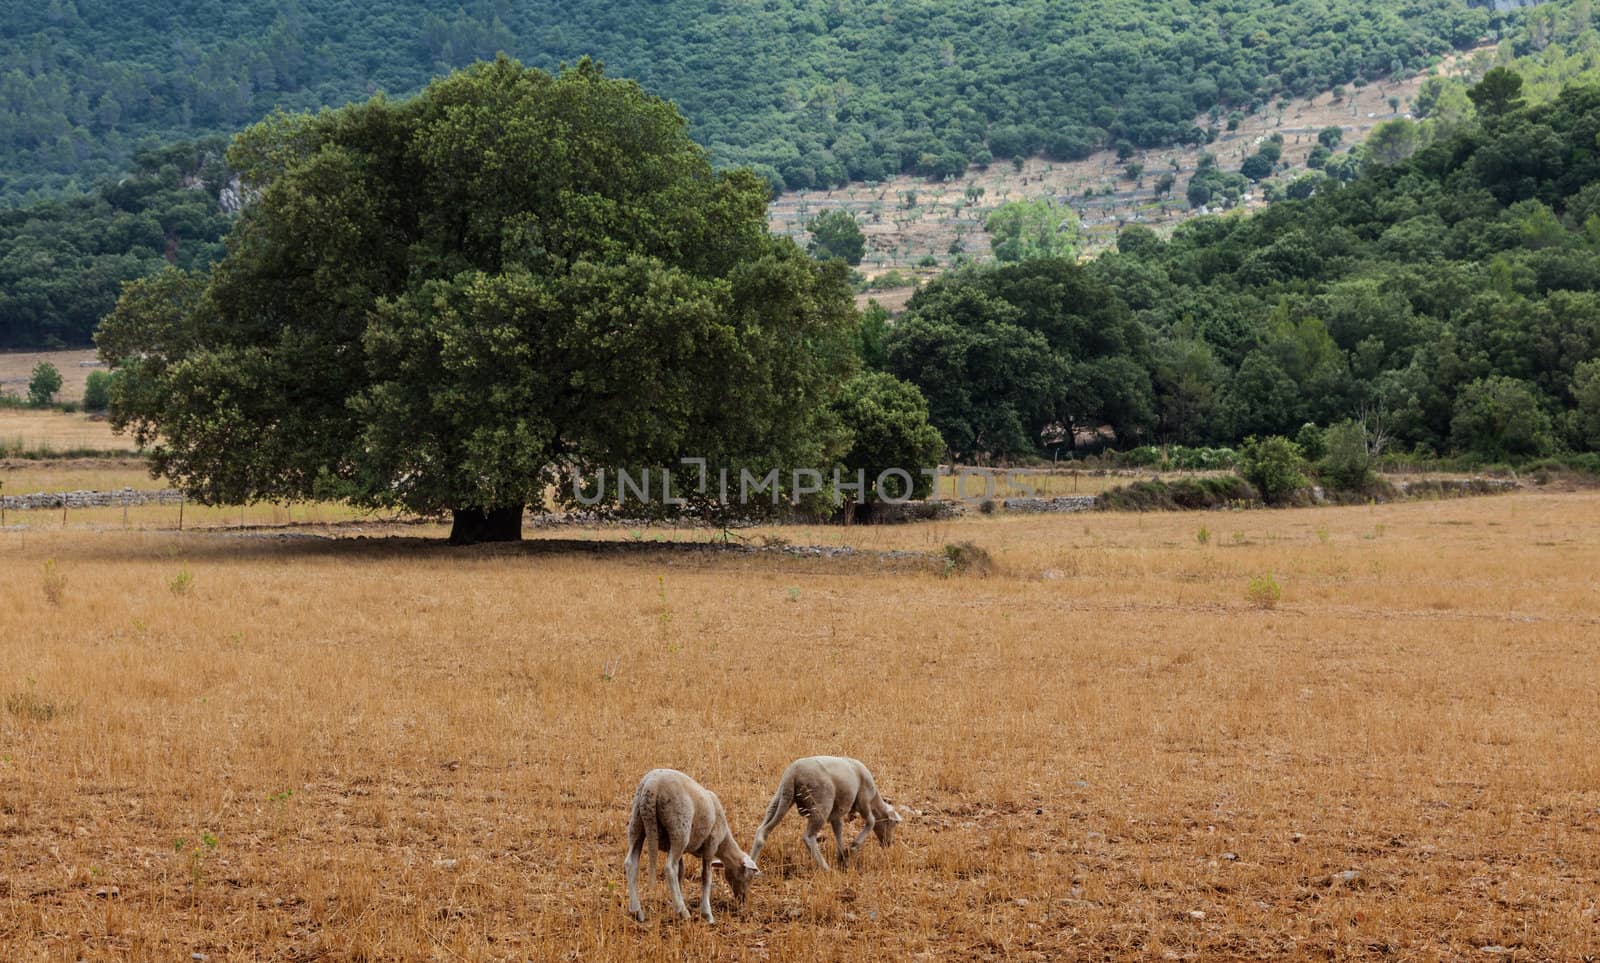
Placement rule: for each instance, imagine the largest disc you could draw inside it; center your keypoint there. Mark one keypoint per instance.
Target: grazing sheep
(826, 789)
(677, 815)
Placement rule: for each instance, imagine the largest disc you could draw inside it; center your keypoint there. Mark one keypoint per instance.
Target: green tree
(1500, 417)
(1313, 441)
(1392, 141)
(887, 421)
(1330, 137)
(446, 303)
(1346, 464)
(1274, 465)
(1189, 382)
(97, 391)
(872, 333)
(1586, 411)
(836, 234)
(1302, 187)
(44, 384)
(1019, 230)
(1498, 93)
(989, 384)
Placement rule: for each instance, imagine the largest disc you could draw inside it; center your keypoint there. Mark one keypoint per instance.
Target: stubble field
(291, 748)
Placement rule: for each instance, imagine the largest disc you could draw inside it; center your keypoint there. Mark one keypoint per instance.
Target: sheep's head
(739, 875)
(885, 821)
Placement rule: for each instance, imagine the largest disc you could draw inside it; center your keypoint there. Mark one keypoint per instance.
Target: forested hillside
(1457, 293)
(62, 262)
(814, 91)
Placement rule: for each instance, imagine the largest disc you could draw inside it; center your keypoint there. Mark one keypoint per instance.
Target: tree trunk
(470, 526)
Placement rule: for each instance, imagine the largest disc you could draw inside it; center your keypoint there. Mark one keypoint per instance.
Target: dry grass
(52, 430)
(294, 749)
(21, 476)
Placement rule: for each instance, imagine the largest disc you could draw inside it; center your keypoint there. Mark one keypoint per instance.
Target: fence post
(181, 500)
(63, 509)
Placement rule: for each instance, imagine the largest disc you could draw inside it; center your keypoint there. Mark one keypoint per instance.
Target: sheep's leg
(867, 822)
(838, 842)
(674, 875)
(635, 844)
(705, 887)
(813, 827)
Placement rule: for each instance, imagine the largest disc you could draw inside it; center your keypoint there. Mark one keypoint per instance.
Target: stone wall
(1060, 503)
(88, 499)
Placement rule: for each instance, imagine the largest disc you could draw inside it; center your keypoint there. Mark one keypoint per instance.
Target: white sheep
(673, 813)
(826, 789)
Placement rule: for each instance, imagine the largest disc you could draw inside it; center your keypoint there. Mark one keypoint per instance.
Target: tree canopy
(836, 234)
(441, 303)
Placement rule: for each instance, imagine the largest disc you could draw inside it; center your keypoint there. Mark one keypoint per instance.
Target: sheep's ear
(750, 864)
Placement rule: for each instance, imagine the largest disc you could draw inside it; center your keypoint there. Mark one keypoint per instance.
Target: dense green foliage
(817, 91)
(1475, 259)
(1019, 230)
(62, 262)
(1275, 466)
(1009, 356)
(1453, 296)
(835, 234)
(43, 384)
(888, 424)
(447, 302)
(97, 391)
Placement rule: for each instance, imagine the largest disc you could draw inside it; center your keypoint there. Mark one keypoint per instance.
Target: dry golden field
(51, 430)
(16, 368)
(259, 747)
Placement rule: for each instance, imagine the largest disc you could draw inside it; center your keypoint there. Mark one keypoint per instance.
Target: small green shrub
(97, 392)
(1203, 536)
(1264, 591)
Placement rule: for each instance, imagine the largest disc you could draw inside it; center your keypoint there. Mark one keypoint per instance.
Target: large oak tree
(443, 303)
